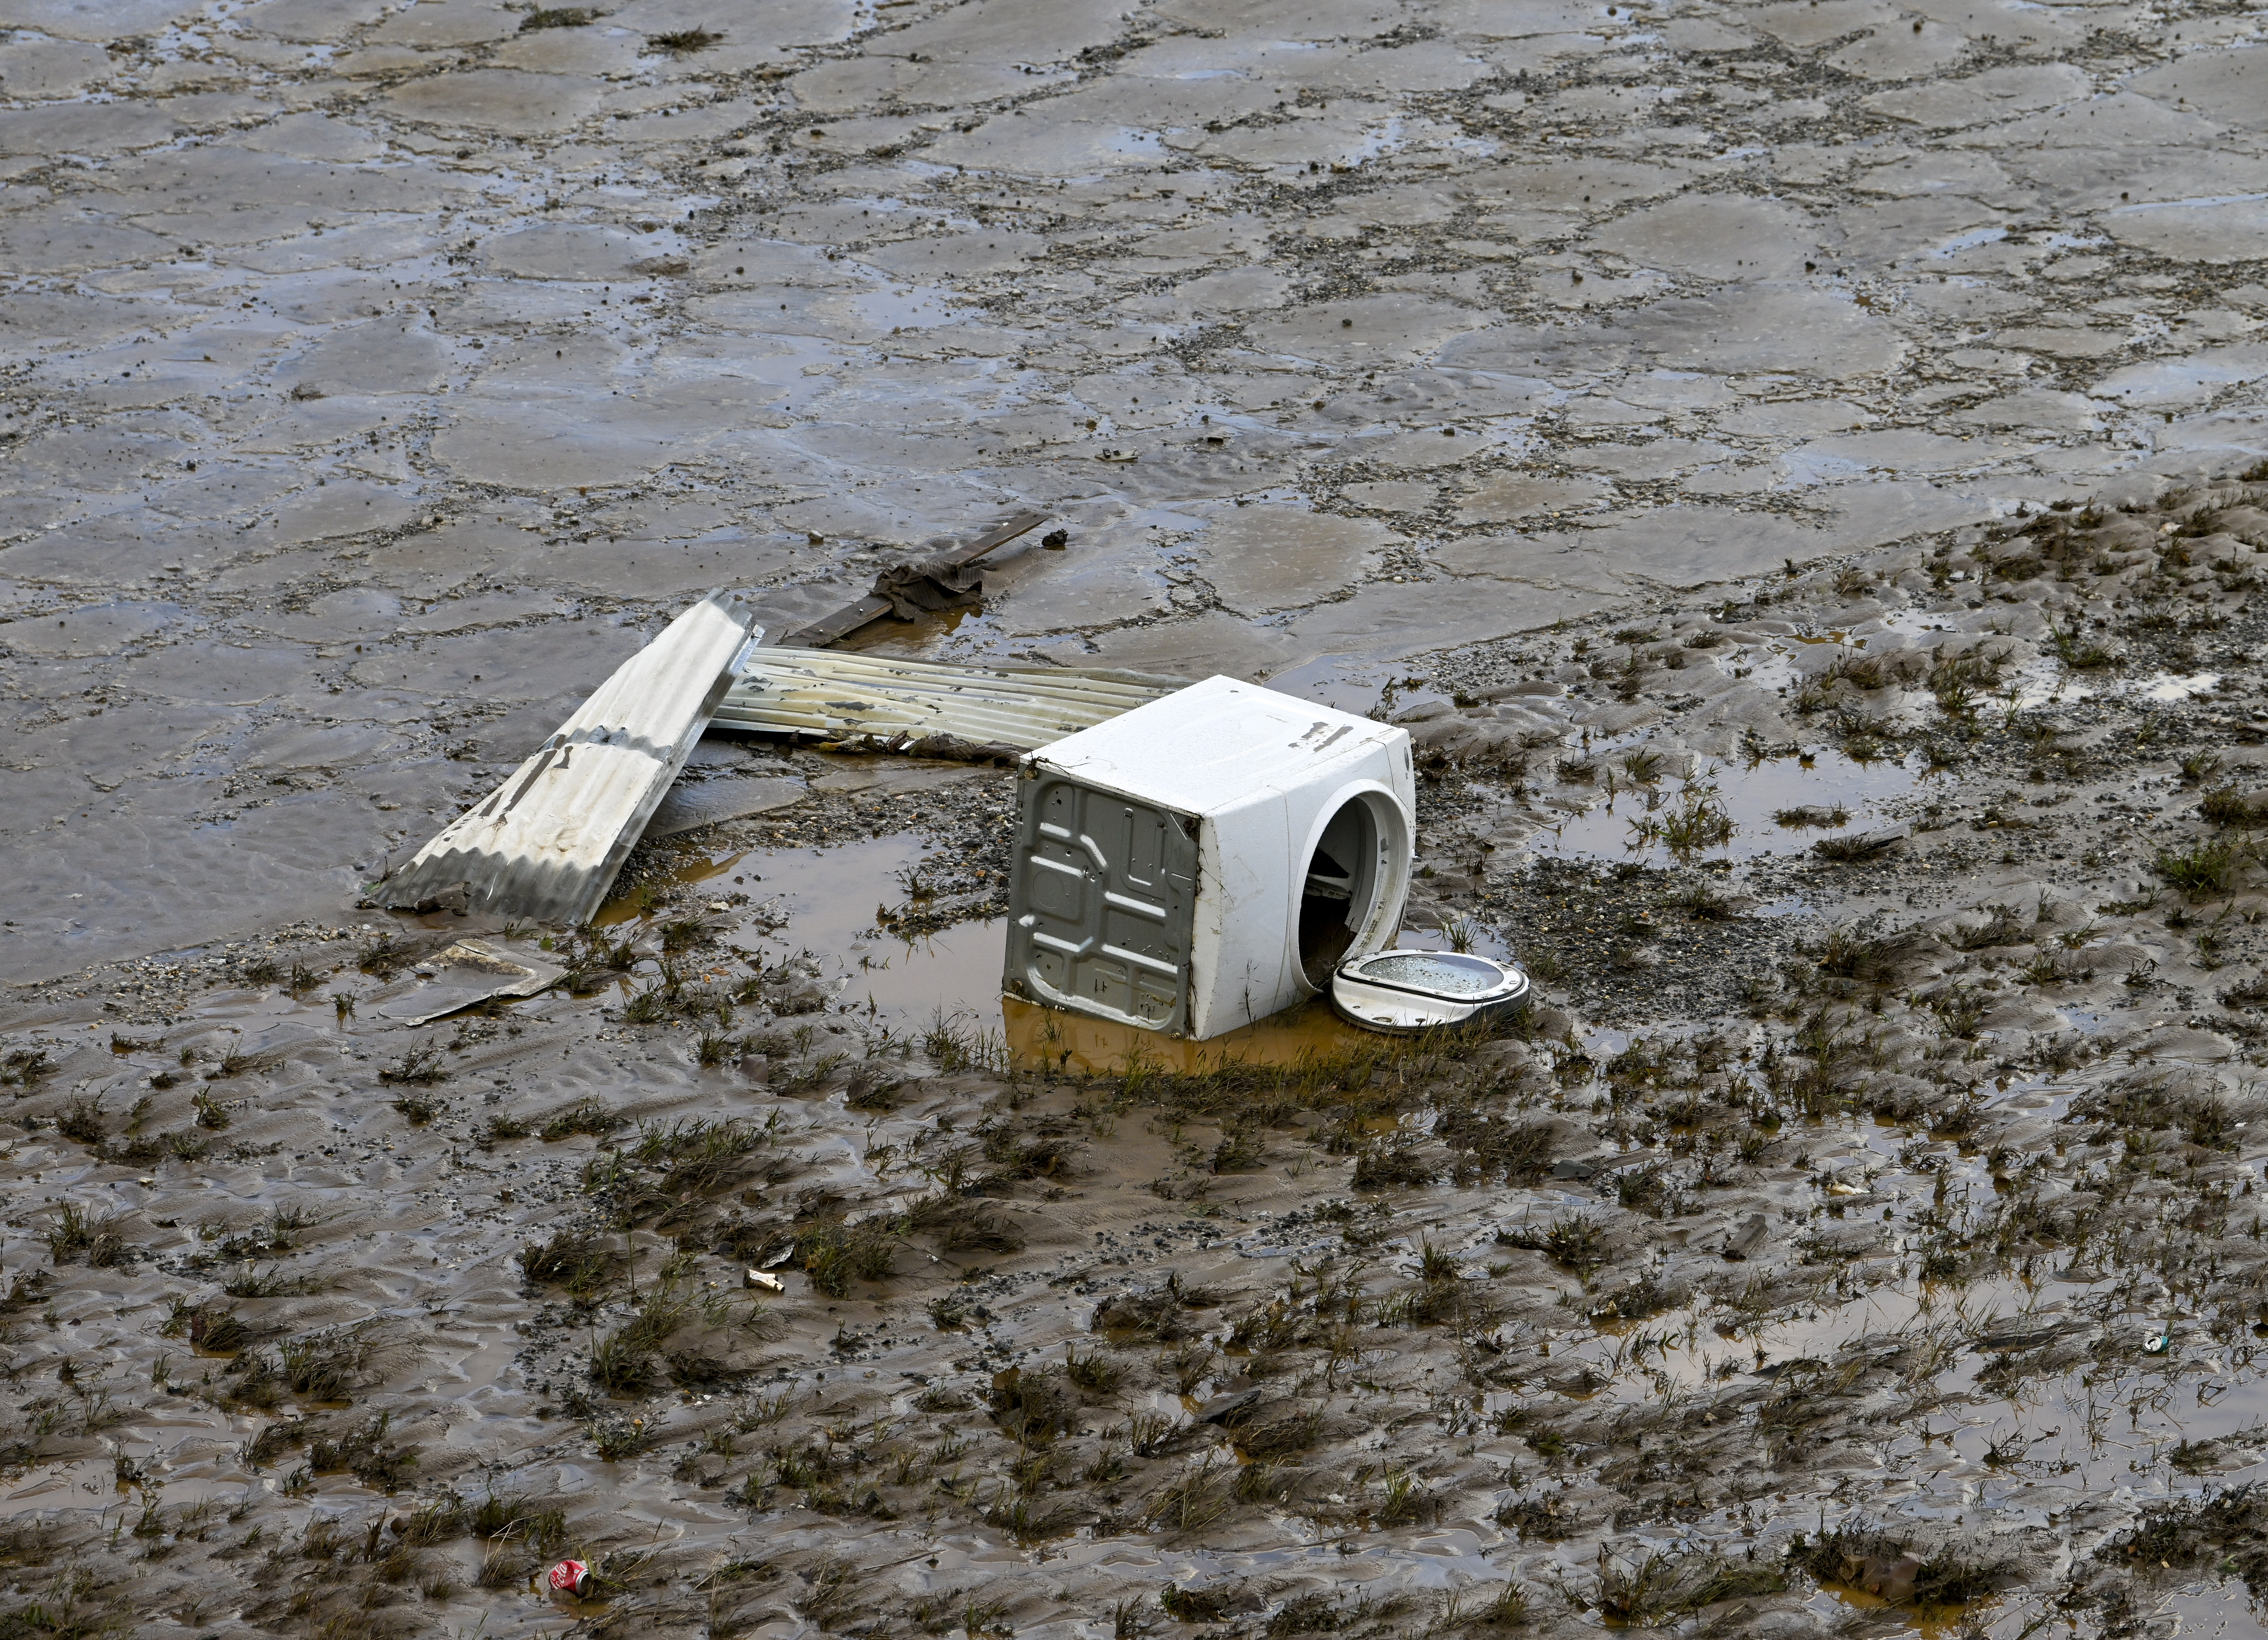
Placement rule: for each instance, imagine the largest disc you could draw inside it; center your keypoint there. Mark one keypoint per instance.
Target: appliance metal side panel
(1101, 903)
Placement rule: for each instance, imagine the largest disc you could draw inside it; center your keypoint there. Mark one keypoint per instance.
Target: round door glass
(1443, 973)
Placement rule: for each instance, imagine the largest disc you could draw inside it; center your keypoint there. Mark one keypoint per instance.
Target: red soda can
(570, 1577)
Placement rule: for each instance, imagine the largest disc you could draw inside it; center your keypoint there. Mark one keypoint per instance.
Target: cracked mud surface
(1795, 469)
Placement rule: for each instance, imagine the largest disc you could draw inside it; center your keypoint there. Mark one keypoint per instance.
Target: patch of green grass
(84, 1121)
(418, 1108)
(2225, 806)
(501, 1128)
(585, 1116)
(1846, 954)
(620, 1367)
(833, 1254)
(1094, 1372)
(366, 1451)
(2080, 654)
(1861, 1556)
(1848, 850)
(79, 1234)
(2202, 873)
(582, 1264)
(650, 1006)
(1573, 1241)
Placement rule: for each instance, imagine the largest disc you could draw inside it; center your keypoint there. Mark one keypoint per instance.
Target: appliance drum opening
(1341, 886)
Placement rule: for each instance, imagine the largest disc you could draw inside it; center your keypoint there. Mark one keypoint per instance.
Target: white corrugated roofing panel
(545, 843)
(838, 695)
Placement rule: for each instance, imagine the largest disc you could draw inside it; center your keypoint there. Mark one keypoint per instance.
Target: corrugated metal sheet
(546, 845)
(833, 696)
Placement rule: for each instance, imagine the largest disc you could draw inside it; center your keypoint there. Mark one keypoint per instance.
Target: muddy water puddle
(1357, 684)
(829, 905)
(1731, 811)
(2216, 1615)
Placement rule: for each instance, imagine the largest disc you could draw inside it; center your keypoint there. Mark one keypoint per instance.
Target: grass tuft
(2203, 873)
(684, 41)
(420, 1067)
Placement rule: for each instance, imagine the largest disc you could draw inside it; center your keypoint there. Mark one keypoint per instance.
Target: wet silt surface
(1484, 365)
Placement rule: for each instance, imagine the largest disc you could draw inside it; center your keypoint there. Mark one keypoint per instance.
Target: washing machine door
(1408, 990)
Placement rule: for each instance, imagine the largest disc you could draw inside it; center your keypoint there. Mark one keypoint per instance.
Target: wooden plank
(831, 628)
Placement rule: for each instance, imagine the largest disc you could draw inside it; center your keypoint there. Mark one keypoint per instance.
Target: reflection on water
(823, 903)
(2222, 1614)
(918, 307)
(1050, 1039)
(1353, 684)
(1627, 825)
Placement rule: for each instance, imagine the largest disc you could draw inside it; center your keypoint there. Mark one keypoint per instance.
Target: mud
(1782, 464)
(1859, 1235)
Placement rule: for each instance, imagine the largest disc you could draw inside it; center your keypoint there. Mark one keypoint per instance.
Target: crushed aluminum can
(570, 1577)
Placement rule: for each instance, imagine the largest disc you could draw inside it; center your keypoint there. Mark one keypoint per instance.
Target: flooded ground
(1334, 333)
(1793, 468)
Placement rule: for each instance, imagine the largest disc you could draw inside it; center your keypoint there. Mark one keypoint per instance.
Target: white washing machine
(1208, 859)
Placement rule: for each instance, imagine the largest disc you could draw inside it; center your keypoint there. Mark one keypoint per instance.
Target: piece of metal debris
(468, 972)
(546, 845)
(691, 804)
(871, 702)
(1866, 845)
(946, 580)
(1748, 1238)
